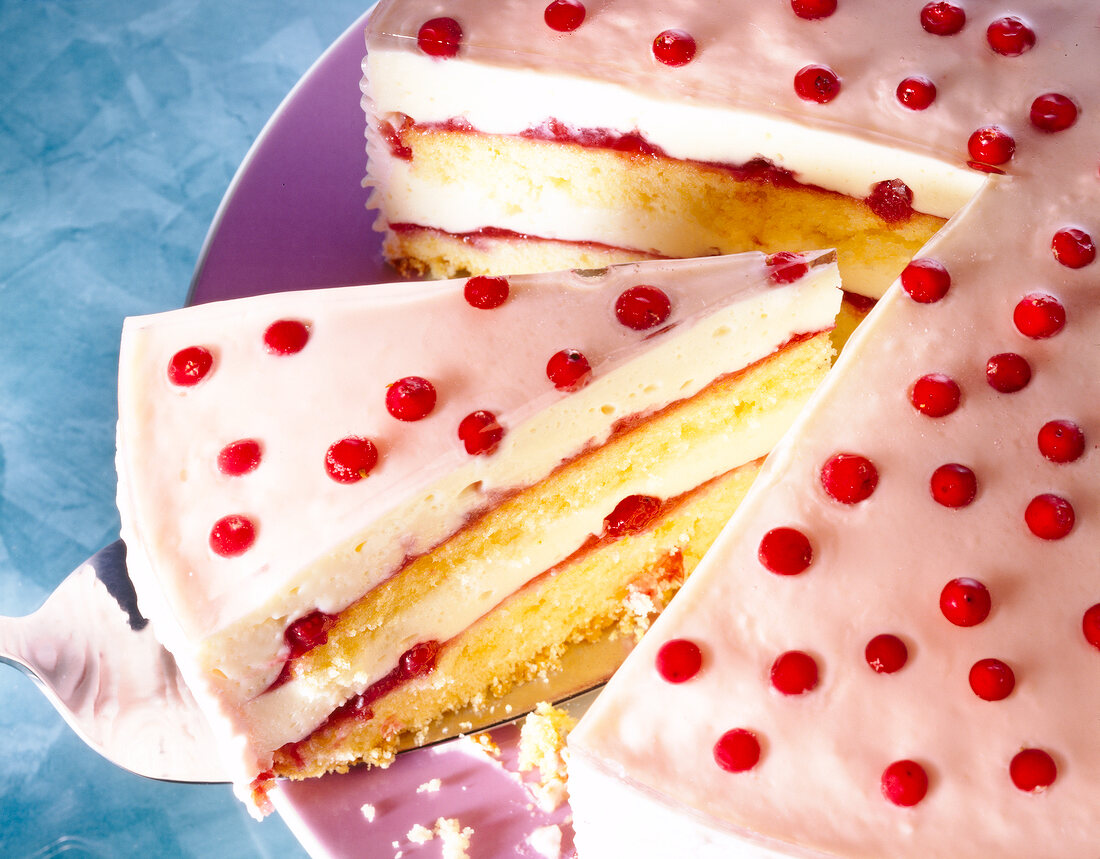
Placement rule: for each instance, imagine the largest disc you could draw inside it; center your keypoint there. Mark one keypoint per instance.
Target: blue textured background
(121, 125)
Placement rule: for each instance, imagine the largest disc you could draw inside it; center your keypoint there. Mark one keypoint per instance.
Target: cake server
(96, 659)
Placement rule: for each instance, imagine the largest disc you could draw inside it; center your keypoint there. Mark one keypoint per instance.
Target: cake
(520, 136)
(893, 649)
(350, 510)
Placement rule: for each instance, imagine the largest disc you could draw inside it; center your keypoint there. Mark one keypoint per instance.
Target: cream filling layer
(503, 100)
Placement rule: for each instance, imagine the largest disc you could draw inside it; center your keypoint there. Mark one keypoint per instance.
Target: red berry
(642, 307)
(786, 267)
(1039, 316)
(286, 337)
(439, 37)
(904, 783)
(674, 48)
(991, 144)
(785, 551)
(942, 19)
(411, 398)
(1053, 111)
(817, 83)
(992, 679)
(632, 515)
(486, 293)
(737, 751)
(953, 485)
(1090, 625)
(813, 9)
(239, 457)
(569, 370)
(935, 395)
(480, 432)
(886, 653)
(1073, 248)
(351, 459)
(564, 15)
(308, 632)
(189, 366)
(232, 536)
(849, 478)
(1010, 36)
(891, 200)
(1049, 516)
(925, 280)
(794, 673)
(916, 92)
(1033, 770)
(679, 660)
(1008, 372)
(1061, 441)
(419, 659)
(965, 602)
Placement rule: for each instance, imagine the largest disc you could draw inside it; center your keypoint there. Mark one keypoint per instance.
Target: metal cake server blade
(97, 661)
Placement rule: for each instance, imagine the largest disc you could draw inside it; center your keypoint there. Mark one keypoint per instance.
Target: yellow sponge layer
(694, 210)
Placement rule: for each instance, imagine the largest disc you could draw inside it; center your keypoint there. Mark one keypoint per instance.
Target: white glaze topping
(321, 544)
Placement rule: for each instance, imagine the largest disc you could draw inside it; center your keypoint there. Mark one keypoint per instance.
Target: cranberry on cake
(516, 135)
(348, 511)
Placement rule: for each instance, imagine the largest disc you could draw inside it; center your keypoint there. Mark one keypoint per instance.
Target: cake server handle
(96, 660)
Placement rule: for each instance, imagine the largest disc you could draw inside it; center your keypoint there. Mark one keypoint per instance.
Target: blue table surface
(121, 125)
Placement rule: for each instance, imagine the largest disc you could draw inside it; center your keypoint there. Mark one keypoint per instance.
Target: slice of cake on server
(347, 511)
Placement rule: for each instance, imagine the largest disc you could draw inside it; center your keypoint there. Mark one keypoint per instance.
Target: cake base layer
(601, 584)
(623, 205)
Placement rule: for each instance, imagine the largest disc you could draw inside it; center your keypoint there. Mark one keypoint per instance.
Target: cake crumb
(432, 786)
(546, 841)
(369, 812)
(542, 747)
(455, 838)
(484, 743)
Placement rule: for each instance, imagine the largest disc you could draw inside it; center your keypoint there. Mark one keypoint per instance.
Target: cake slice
(347, 511)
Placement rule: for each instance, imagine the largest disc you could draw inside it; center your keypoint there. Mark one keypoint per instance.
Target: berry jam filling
(632, 515)
(891, 200)
(418, 661)
(393, 137)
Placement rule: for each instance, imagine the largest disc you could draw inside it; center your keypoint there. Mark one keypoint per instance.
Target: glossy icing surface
(224, 617)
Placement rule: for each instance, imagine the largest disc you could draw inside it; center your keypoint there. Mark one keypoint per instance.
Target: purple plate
(295, 217)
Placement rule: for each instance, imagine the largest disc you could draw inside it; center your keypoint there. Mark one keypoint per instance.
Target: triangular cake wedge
(894, 648)
(335, 553)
